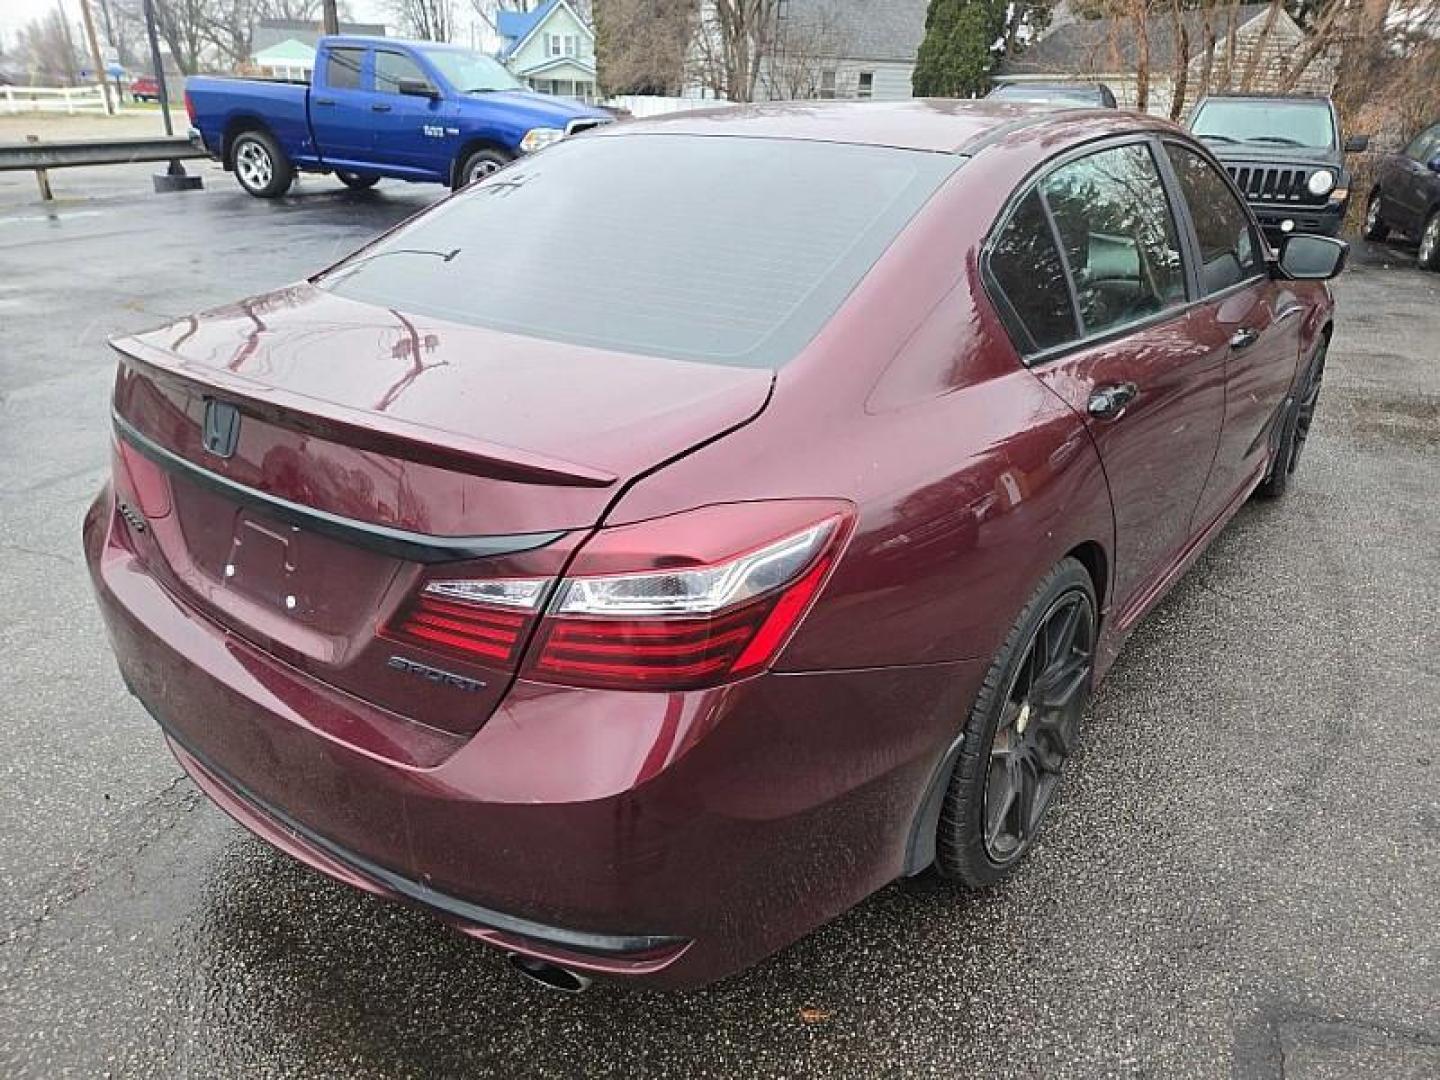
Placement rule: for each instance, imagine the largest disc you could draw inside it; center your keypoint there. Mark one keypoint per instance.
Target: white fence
(70, 99)
(641, 106)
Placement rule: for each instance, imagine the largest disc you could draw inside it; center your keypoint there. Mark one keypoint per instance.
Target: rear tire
(357, 181)
(1429, 254)
(1023, 726)
(478, 165)
(261, 167)
(1375, 227)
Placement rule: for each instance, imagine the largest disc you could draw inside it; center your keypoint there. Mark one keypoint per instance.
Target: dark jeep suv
(1286, 156)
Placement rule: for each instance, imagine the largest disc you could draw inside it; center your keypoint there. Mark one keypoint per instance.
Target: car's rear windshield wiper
(1218, 138)
(1281, 139)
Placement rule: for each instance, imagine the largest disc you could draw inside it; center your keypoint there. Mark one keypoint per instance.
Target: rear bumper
(673, 838)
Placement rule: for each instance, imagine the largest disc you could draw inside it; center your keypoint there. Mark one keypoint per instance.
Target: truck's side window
(1229, 250)
(391, 67)
(342, 68)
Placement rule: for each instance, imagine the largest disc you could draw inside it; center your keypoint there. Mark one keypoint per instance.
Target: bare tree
(47, 49)
(732, 39)
(640, 45)
(802, 50)
(1180, 77)
(429, 20)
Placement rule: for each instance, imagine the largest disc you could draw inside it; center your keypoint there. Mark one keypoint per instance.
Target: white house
(550, 49)
(285, 48)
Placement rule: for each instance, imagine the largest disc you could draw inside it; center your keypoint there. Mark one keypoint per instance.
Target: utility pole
(175, 178)
(96, 58)
(158, 65)
(332, 17)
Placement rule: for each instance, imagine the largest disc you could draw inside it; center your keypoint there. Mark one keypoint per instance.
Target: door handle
(1244, 338)
(322, 101)
(378, 107)
(1110, 402)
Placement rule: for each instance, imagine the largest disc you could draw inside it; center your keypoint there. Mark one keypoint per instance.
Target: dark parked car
(1406, 197)
(1096, 95)
(638, 619)
(1285, 154)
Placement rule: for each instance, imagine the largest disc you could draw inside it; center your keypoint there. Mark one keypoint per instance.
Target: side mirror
(417, 88)
(1356, 143)
(1434, 163)
(1312, 258)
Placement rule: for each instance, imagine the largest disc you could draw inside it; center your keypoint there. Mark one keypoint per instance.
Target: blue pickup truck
(412, 110)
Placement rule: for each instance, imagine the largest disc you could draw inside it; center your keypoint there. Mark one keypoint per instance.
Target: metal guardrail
(41, 157)
(60, 155)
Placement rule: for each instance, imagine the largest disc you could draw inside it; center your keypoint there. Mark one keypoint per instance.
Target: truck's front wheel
(478, 165)
(260, 165)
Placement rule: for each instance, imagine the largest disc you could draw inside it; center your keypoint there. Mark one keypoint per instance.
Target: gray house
(843, 49)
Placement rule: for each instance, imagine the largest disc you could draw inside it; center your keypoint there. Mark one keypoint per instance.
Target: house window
(570, 45)
(552, 44)
(827, 84)
(867, 85)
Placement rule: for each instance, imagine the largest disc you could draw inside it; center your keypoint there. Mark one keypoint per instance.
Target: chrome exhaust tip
(551, 976)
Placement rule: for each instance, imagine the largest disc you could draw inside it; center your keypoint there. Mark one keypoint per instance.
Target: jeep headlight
(541, 137)
(1320, 182)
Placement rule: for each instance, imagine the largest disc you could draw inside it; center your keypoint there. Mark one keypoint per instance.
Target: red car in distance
(145, 88)
(645, 554)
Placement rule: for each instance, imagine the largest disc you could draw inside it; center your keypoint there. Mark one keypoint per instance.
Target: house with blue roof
(551, 49)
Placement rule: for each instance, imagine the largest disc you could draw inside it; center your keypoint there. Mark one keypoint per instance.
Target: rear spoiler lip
(399, 543)
(361, 428)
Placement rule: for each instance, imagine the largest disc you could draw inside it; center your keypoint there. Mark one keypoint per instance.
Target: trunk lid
(303, 463)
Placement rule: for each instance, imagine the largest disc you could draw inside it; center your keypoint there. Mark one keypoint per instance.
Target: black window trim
(1184, 226)
(363, 58)
(375, 68)
(1257, 234)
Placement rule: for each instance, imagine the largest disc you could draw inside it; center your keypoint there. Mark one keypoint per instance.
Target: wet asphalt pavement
(1242, 877)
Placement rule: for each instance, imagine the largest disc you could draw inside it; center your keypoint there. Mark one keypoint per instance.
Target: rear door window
(1118, 236)
(722, 249)
(343, 67)
(1230, 252)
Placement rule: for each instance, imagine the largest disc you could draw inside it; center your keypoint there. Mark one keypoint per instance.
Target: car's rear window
(721, 249)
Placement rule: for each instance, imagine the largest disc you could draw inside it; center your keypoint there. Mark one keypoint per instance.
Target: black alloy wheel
(1024, 726)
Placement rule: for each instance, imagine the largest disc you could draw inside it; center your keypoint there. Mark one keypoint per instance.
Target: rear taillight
(189, 108)
(482, 621)
(687, 627)
(682, 602)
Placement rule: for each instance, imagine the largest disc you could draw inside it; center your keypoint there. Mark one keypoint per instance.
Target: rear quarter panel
(222, 104)
(970, 477)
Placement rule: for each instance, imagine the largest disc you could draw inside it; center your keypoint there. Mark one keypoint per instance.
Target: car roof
(941, 125)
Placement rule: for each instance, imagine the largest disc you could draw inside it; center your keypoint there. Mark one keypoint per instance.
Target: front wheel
(479, 165)
(1021, 730)
(261, 166)
(357, 181)
(1375, 227)
(1429, 254)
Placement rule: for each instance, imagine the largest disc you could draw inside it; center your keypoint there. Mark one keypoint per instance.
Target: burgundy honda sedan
(645, 554)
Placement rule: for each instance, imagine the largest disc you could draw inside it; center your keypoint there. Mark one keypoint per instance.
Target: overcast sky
(16, 13)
